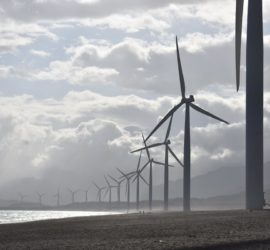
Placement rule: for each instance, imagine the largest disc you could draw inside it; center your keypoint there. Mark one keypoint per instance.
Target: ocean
(18, 216)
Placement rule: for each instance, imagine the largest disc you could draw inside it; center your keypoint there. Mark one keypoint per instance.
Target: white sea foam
(17, 216)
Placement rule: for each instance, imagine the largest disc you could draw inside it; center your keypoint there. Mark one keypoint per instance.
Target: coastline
(232, 229)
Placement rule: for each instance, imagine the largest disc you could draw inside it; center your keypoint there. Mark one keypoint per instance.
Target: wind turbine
(58, 196)
(138, 175)
(73, 193)
(254, 98)
(99, 191)
(118, 182)
(109, 190)
(189, 103)
(22, 196)
(168, 150)
(40, 196)
(86, 194)
(127, 176)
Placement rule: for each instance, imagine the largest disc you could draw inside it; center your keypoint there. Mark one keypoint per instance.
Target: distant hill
(221, 182)
(215, 187)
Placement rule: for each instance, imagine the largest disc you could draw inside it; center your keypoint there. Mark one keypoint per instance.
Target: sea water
(17, 216)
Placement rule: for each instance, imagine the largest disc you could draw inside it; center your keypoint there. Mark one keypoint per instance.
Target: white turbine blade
(238, 39)
(181, 75)
(113, 178)
(165, 119)
(107, 190)
(145, 165)
(106, 180)
(169, 129)
(143, 179)
(139, 162)
(149, 146)
(162, 164)
(96, 185)
(147, 150)
(195, 107)
(135, 178)
(175, 157)
(121, 172)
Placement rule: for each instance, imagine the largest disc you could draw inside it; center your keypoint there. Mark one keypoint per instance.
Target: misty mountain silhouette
(220, 182)
(226, 183)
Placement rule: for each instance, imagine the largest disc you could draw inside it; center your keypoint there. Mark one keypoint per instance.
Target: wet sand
(173, 230)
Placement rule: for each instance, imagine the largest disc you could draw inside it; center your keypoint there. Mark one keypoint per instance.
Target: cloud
(74, 74)
(137, 64)
(9, 42)
(15, 34)
(55, 10)
(40, 53)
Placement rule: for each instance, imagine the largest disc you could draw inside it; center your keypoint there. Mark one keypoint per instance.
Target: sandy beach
(174, 230)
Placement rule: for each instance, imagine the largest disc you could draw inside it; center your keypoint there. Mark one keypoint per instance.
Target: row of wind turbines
(186, 165)
(57, 196)
(254, 114)
(254, 123)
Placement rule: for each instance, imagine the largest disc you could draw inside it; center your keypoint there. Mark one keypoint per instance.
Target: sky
(80, 79)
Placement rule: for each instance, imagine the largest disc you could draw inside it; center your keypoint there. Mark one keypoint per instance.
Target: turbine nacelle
(189, 99)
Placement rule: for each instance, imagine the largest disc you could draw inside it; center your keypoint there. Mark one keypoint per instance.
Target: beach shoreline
(235, 229)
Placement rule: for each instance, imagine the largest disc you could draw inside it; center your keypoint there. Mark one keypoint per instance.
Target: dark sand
(174, 230)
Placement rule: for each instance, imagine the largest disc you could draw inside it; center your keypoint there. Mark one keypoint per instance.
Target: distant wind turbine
(86, 194)
(40, 196)
(22, 196)
(73, 193)
(138, 176)
(58, 197)
(189, 102)
(254, 97)
(118, 182)
(127, 176)
(99, 192)
(109, 190)
(168, 151)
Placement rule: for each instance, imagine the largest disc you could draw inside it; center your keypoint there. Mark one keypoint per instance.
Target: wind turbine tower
(254, 97)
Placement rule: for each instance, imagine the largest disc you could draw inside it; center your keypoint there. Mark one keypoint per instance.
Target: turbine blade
(121, 178)
(121, 172)
(135, 178)
(165, 118)
(147, 150)
(96, 185)
(149, 146)
(158, 163)
(174, 156)
(206, 113)
(145, 165)
(162, 164)
(131, 175)
(181, 75)
(107, 190)
(139, 162)
(238, 39)
(113, 178)
(143, 179)
(107, 180)
(169, 128)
